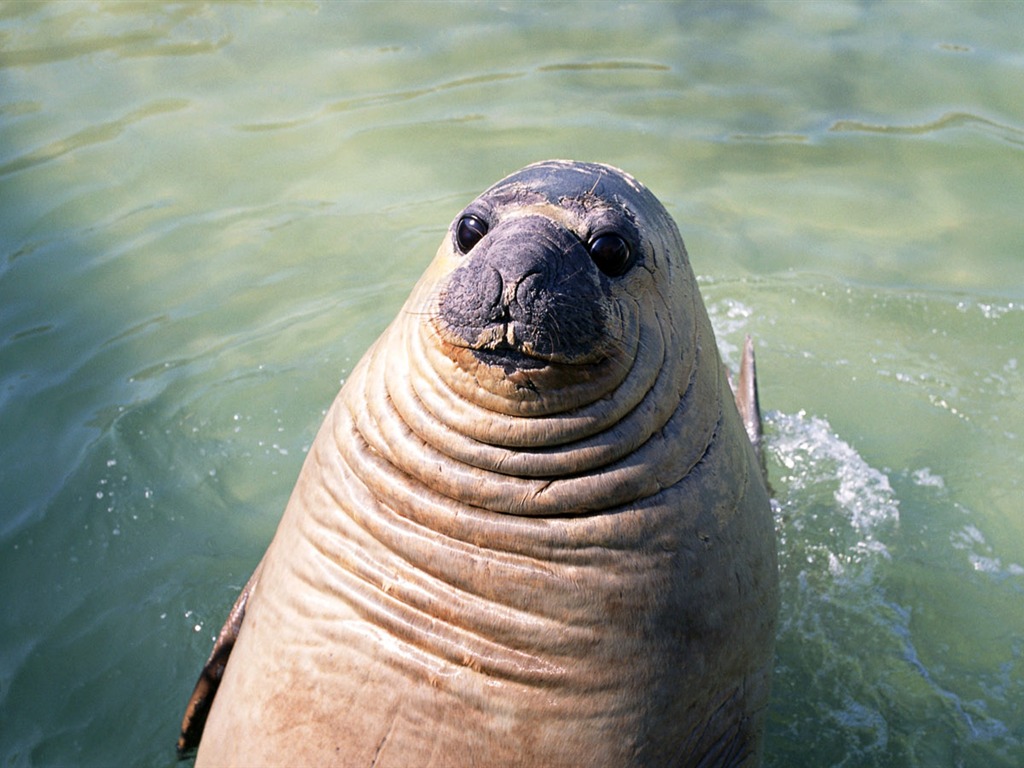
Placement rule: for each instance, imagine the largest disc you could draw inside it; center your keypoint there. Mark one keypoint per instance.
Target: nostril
(529, 290)
(474, 297)
(481, 295)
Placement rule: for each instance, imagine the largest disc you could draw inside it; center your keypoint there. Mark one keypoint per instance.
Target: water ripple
(593, 65)
(94, 134)
(185, 23)
(949, 120)
(379, 99)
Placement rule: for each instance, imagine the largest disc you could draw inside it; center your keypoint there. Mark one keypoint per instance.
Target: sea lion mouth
(502, 348)
(509, 358)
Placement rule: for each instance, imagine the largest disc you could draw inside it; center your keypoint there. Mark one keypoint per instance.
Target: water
(208, 212)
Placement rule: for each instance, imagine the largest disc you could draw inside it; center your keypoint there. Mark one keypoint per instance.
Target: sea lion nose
(529, 283)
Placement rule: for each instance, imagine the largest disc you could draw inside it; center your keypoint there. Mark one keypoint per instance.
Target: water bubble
(926, 479)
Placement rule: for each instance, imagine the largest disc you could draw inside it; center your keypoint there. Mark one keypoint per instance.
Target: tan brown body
(532, 529)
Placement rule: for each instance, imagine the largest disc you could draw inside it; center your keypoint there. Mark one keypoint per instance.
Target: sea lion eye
(469, 232)
(611, 254)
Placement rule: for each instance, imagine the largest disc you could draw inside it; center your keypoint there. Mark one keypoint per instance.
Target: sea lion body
(532, 529)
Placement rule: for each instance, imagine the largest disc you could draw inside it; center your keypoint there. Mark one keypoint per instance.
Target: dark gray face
(544, 254)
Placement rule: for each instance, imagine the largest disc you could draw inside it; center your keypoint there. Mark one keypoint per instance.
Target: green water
(207, 212)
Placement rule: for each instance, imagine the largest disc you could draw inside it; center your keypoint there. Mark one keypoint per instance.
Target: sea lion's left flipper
(747, 400)
(213, 670)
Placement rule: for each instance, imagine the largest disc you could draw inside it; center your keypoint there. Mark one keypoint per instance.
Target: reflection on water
(208, 212)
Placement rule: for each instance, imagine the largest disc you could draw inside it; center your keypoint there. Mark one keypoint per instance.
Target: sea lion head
(541, 290)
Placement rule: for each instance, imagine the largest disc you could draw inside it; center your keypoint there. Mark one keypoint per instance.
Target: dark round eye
(469, 231)
(611, 254)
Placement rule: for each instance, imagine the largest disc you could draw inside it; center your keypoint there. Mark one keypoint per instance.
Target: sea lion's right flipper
(747, 400)
(213, 670)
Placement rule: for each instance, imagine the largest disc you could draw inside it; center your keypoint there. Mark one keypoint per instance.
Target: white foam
(818, 461)
(925, 478)
(980, 554)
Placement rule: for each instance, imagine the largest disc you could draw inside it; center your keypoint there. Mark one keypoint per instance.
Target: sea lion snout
(527, 294)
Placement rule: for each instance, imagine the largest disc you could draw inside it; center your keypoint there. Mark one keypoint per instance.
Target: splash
(849, 648)
(819, 465)
(980, 554)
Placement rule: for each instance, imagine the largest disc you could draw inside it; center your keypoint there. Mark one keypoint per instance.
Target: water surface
(208, 212)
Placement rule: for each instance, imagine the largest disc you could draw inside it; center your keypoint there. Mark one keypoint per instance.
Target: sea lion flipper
(213, 670)
(747, 400)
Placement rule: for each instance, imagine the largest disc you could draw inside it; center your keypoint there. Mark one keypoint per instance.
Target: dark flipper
(747, 400)
(213, 670)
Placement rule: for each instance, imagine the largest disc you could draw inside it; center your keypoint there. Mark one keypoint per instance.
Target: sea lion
(532, 529)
